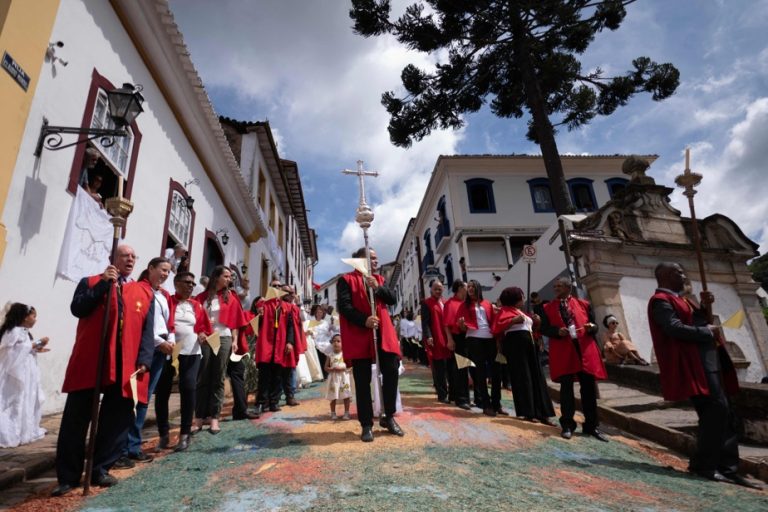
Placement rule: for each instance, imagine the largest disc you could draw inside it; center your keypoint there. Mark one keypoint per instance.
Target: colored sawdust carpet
(450, 459)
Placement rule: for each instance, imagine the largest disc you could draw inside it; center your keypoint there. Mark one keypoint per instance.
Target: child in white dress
(338, 383)
(21, 397)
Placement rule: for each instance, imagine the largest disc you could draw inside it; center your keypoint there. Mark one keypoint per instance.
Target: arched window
(541, 195)
(480, 195)
(179, 219)
(582, 194)
(448, 261)
(616, 185)
(119, 159)
(213, 254)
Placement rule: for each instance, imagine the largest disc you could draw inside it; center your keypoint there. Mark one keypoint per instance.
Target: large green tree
(520, 56)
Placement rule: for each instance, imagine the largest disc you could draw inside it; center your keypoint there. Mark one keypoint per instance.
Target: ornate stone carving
(635, 167)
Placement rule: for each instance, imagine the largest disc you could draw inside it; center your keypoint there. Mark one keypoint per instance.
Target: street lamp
(224, 235)
(124, 105)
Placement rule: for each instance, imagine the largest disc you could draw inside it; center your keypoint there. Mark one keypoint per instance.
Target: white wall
(636, 291)
(94, 38)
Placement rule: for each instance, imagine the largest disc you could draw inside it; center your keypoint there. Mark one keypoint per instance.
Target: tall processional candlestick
(688, 180)
(364, 219)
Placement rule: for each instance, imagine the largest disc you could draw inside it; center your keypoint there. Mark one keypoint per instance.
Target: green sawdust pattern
(219, 473)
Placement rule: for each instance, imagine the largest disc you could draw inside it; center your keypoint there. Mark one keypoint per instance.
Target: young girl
(338, 378)
(20, 394)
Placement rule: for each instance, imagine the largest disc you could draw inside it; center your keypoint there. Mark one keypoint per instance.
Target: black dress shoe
(443, 400)
(547, 421)
(105, 480)
(566, 433)
(367, 435)
(737, 479)
(141, 457)
(502, 412)
(183, 443)
(123, 463)
(163, 444)
(464, 406)
(252, 415)
(63, 489)
(292, 402)
(274, 408)
(714, 476)
(489, 412)
(391, 425)
(597, 435)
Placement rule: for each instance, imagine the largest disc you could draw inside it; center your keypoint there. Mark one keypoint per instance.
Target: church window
(480, 195)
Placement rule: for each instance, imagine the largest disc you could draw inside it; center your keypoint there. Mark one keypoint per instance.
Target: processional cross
(364, 219)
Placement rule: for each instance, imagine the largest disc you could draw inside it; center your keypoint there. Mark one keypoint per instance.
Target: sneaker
(333, 416)
(123, 463)
(346, 416)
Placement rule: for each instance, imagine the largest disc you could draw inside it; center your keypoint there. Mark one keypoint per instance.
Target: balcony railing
(443, 230)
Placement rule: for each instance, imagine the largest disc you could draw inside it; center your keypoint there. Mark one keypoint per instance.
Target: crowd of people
(273, 346)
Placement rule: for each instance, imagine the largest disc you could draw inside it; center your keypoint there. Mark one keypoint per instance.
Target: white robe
(21, 396)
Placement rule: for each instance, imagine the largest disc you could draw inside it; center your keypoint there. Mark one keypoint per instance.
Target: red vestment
(450, 317)
(358, 341)
(439, 350)
(270, 345)
(681, 371)
(563, 357)
(81, 369)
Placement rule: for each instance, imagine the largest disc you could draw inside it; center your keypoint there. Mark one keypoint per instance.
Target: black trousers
(588, 391)
(529, 386)
(483, 353)
(236, 374)
(361, 369)
(115, 418)
(440, 378)
(189, 367)
(717, 442)
(460, 376)
(270, 384)
(162, 395)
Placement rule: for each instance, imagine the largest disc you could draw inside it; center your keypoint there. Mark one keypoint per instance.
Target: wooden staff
(119, 208)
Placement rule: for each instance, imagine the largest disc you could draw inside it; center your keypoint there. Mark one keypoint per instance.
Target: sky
(299, 65)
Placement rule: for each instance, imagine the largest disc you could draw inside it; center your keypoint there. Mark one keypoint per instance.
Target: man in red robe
(288, 374)
(694, 364)
(130, 330)
(274, 350)
(358, 322)
(573, 354)
(436, 343)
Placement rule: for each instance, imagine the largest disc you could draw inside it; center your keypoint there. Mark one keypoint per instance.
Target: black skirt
(529, 386)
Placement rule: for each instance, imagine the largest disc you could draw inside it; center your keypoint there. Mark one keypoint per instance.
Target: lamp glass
(125, 104)
(190, 202)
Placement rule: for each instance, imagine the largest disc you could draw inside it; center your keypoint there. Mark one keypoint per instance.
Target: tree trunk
(546, 134)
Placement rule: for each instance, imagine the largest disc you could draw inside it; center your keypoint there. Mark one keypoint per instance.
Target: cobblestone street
(298, 459)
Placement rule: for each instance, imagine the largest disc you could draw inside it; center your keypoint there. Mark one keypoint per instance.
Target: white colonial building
(480, 210)
(242, 210)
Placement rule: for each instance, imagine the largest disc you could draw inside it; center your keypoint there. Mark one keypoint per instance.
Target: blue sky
(298, 64)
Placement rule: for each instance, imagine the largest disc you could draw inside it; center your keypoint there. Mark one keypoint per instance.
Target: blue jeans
(134, 434)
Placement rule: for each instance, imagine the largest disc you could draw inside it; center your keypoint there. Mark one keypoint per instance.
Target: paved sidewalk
(25, 463)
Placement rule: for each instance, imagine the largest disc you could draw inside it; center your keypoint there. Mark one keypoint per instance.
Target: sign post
(529, 256)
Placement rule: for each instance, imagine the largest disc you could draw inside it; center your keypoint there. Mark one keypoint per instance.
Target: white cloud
(731, 170)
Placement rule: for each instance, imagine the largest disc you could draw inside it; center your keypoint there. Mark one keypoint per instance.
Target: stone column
(603, 290)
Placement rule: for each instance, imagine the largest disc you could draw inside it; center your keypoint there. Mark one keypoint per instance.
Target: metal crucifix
(364, 219)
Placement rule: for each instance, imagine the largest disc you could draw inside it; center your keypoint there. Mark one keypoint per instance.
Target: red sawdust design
(601, 489)
(286, 473)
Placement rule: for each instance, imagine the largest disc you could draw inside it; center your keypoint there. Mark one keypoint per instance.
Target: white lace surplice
(21, 397)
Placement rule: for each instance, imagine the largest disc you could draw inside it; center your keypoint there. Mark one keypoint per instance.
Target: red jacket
(439, 350)
(358, 341)
(470, 315)
(81, 369)
(563, 358)
(681, 372)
